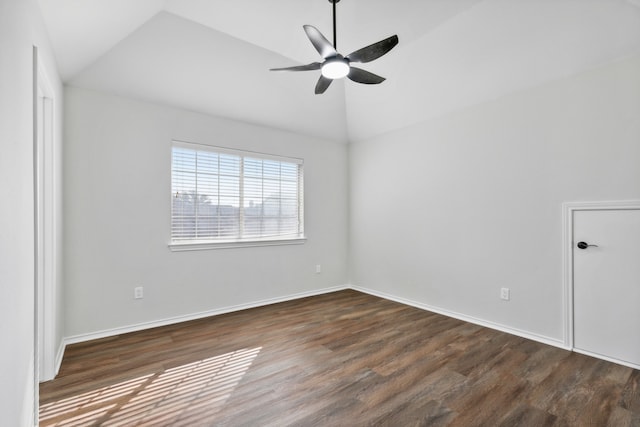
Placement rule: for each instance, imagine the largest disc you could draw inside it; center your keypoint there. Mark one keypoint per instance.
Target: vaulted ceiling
(213, 56)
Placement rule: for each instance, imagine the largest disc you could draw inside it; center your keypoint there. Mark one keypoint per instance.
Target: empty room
(320, 213)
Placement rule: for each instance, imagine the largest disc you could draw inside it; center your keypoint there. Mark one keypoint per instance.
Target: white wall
(446, 212)
(20, 29)
(117, 217)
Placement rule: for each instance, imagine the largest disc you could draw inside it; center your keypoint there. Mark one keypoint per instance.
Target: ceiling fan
(335, 66)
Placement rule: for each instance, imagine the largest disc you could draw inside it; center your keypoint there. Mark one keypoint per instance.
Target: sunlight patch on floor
(195, 389)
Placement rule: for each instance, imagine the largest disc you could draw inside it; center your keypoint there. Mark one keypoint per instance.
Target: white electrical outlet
(318, 269)
(138, 292)
(505, 294)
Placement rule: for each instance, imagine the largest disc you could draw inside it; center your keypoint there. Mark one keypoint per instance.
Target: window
(222, 197)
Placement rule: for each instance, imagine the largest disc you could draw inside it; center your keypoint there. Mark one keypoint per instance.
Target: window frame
(251, 241)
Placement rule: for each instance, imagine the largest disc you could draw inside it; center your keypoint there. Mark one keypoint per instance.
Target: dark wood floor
(341, 359)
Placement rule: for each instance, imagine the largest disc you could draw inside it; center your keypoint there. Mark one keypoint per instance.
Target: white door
(606, 283)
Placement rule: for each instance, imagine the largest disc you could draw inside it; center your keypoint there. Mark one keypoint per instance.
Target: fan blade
(322, 85)
(308, 67)
(322, 45)
(359, 75)
(373, 51)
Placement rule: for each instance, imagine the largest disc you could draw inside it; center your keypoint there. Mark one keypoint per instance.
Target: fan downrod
(335, 39)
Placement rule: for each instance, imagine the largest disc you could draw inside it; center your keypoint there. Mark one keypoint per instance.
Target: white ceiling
(212, 56)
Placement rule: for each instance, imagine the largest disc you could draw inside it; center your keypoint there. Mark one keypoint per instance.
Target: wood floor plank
(344, 358)
(631, 393)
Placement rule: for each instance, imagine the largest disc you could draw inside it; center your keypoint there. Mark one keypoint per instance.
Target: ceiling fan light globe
(335, 68)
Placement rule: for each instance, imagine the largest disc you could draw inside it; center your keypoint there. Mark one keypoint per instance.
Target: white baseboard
(607, 358)
(513, 331)
(194, 316)
(185, 318)
(59, 356)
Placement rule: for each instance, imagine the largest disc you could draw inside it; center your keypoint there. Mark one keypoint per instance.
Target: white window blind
(223, 195)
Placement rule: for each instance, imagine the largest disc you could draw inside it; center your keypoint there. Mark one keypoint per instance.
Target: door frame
(45, 220)
(568, 208)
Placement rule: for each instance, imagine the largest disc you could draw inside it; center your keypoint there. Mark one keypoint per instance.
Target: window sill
(228, 244)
